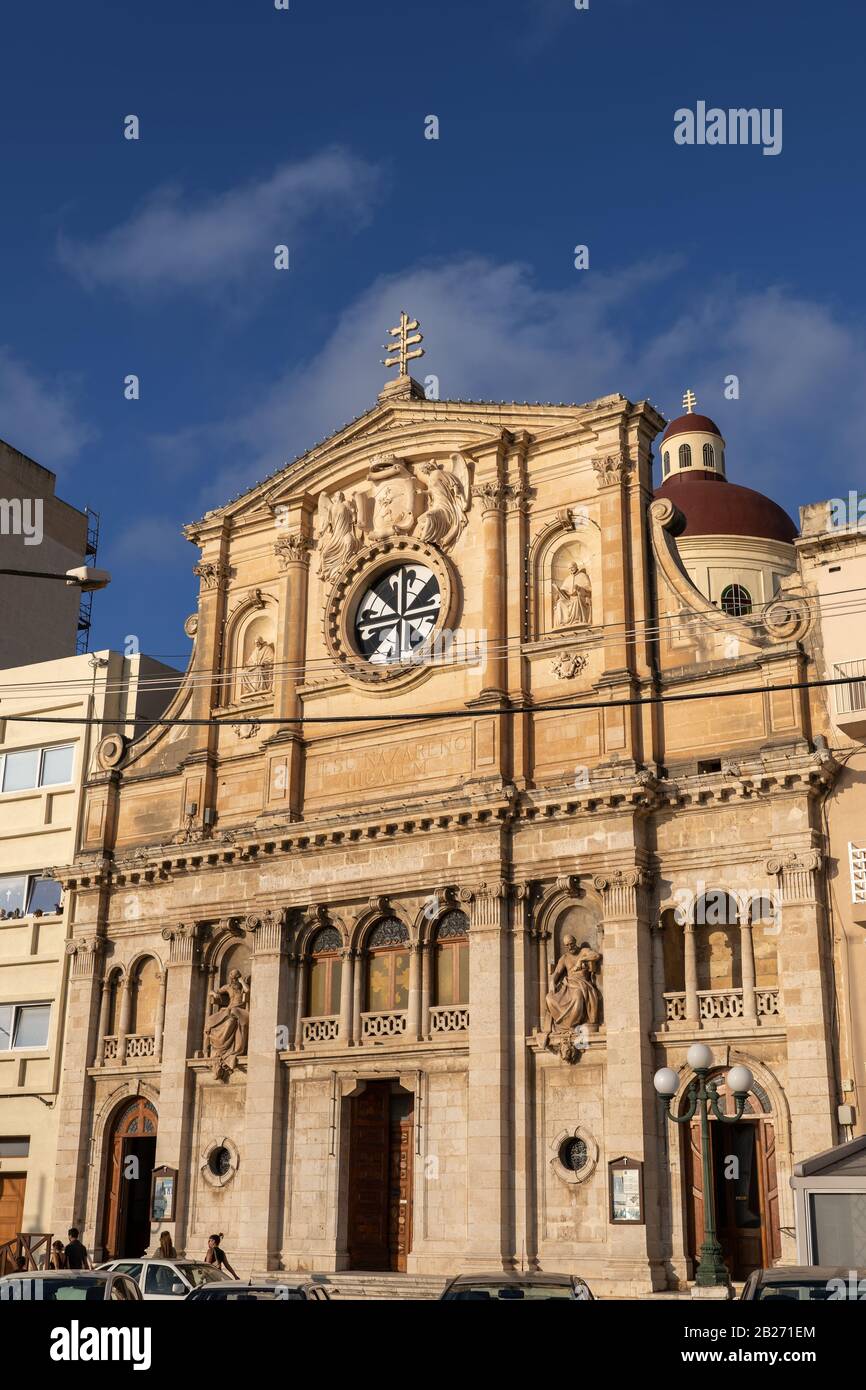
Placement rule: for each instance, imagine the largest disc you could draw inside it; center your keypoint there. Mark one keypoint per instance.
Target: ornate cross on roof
(401, 350)
(690, 400)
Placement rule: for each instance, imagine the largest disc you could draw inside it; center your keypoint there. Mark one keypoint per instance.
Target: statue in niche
(258, 672)
(447, 502)
(574, 1000)
(226, 1030)
(572, 602)
(338, 536)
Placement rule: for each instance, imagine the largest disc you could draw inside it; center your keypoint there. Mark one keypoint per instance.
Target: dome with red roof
(691, 424)
(712, 506)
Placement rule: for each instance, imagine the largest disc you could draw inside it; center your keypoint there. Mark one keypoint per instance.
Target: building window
(388, 967)
(219, 1161)
(17, 1147)
(685, 456)
(24, 1025)
(736, 601)
(452, 959)
(23, 893)
(709, 456)
(27, 768)
(667, 461)
(574, 1155)
(326, 969)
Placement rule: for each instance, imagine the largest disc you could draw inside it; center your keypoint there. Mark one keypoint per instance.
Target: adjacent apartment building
(37, 532)
(43, 766)
(832, 557)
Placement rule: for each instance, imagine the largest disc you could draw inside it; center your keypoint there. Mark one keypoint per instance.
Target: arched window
(667, 461)
(685, 456)
(114, 986)
(736, 600)
(716, 909)
(326, 970)
(709, 456)
(674, 951)
(452, 959)
(388, 966)
(145, 998)
(765, 914)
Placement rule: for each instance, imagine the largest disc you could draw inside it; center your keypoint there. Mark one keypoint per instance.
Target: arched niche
(146, 980)
(565, 540)
(250, 649)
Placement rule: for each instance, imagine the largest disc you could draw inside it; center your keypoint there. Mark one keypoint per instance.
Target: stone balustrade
(376, 1026)
(719, 1005)
(320, 1030)
(448, 1018)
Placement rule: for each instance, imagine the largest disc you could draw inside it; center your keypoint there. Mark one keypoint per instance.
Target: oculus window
(397, 614)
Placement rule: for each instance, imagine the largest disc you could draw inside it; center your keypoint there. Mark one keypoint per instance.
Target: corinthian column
(635, 1252)
(260, 1214)
(491, 498)
(185, 986)
(285, 748)
(805, 1000)
(490, 1142)
(76, 1088)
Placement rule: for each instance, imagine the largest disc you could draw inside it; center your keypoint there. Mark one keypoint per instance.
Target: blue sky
(259, 126)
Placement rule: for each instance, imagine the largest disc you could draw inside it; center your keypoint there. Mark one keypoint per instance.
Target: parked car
(507, 1287)
(805, 1284)
(164, 1279)
(69, 1286)
(276, 1292)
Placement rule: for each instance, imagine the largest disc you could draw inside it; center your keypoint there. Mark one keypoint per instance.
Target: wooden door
(368, 1241)
(127, 1198)
(12, 1187)
(771, 1227)
(739, 1219)
(400, 1189)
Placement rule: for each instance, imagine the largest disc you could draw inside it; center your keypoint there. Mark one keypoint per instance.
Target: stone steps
(352, 1284)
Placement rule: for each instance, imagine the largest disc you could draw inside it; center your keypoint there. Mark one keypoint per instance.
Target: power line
(436, 715)
(473, 651)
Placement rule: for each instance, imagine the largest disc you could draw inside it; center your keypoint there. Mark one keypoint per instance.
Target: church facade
(476, 806)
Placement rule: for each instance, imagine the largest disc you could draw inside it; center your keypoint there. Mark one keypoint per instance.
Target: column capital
(268, 933)
(85, 952)
(612, 469)
(183, 942)
(621, 888)
(798, 871)
(292, 550)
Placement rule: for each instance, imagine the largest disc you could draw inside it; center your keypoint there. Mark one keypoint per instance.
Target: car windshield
(511, 1291)
(280, 1294)
(800, 1291)
(201, 1274)
(73, 1290)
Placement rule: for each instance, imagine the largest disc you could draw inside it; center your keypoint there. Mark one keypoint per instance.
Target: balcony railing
(851, 699)
(319, 1030)
(384, 1025)
(448, 1018)
(717, 1005)
(139, 1046)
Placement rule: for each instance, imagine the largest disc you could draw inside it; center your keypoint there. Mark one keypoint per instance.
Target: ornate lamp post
(703, 1094)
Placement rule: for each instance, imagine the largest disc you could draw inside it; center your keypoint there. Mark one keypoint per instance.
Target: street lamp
(84, 576)
(712, 1270)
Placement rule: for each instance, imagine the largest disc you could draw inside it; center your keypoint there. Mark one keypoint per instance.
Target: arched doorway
(131, 1153)
(380, 1176)
(745, 1184)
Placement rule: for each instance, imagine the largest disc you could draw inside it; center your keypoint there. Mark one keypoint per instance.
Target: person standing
(217, 1256)
(76, 1253)
(166, 1248)
(58, 1255)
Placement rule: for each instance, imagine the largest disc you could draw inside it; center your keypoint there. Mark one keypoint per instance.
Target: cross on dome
(690, 400)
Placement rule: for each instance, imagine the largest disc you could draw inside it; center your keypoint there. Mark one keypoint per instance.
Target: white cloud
(177, 242)
(37, 416)
(491, 333)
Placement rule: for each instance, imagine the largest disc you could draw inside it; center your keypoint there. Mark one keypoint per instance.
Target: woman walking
(217, 1256)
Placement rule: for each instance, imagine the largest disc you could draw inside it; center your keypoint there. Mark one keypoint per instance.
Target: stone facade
(267, 856)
